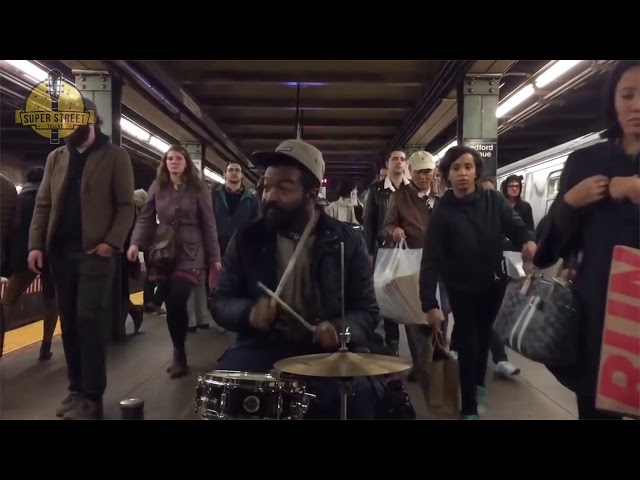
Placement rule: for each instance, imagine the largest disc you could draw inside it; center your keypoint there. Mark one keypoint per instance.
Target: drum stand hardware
(345, 336)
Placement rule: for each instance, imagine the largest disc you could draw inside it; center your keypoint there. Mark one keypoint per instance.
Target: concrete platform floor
(33, 390)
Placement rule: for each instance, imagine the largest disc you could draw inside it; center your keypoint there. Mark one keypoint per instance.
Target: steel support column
(477, 122)
(196, 152)
(105, 91)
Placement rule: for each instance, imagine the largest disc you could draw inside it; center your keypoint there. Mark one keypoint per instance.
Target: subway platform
(32, 390)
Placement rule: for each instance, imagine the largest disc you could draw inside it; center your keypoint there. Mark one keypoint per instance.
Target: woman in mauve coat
(178, 197)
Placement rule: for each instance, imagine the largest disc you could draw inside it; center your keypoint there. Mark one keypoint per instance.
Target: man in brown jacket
(407, 219)
(84, 211)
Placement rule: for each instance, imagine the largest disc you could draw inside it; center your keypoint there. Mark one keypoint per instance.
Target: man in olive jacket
(84, 211)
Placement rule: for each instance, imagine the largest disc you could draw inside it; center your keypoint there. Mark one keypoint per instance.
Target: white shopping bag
(392, 263)
(515, 265)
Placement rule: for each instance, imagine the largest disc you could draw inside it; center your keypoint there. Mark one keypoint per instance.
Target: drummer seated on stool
(261, 251)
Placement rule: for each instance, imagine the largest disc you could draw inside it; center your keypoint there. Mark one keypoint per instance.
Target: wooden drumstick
(294, 257)
(289, 310)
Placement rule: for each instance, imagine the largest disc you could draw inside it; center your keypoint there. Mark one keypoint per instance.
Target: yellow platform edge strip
(32, 333)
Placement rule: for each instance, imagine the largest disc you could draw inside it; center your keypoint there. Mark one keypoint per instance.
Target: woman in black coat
(595, 210)
(463, 250)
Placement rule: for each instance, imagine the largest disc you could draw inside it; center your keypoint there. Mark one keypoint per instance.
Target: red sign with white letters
(619, 374)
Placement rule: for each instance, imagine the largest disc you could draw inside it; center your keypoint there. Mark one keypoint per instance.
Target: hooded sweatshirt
(463, 244)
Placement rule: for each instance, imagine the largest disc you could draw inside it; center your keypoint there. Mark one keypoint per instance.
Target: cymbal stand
(345, 391)
(345, 336)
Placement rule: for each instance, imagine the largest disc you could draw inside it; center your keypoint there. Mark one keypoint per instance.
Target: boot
(137, 316)
(179, 367)
(45, 352)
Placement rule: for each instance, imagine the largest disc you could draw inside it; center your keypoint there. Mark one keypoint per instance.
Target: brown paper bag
(618, 389)
(441, 387)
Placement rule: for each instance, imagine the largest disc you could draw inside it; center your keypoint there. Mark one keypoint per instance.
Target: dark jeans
(83, 286)
(177, 291)
(260, 359)
(474, 313)
(498, 352)
(391, 331)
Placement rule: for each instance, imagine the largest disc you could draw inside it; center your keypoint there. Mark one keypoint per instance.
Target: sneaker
(481, 399)
(506, 369)
(470, 417)
(68, 404)
(85, 409)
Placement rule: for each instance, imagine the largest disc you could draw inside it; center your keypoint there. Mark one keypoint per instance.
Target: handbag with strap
(163, 251)
(538, 320)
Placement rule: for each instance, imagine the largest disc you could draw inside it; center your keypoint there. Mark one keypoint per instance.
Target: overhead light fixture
(514, 100)
(134, 130)
(31, 70)
(158, 144)
(211, 175)
(444, 149)
(555, 71)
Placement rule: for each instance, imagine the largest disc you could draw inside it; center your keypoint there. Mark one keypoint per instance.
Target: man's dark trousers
(83, 286)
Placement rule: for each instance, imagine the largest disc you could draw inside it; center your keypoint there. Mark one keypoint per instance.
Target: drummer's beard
(282, 218)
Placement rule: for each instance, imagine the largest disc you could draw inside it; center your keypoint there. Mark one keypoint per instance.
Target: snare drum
(225, 394)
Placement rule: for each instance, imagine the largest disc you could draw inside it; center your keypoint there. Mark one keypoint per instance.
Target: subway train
(541, 172)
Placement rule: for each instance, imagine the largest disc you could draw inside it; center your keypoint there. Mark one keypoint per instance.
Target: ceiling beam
(226, 103)
(229, 121)
(312, 135)
(345, 142)
(305, 79)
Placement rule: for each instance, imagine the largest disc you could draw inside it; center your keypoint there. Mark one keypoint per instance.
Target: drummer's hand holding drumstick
(327, 336)
(263, 314)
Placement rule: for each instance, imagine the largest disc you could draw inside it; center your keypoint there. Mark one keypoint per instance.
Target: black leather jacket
(251, 258)
(375, 209)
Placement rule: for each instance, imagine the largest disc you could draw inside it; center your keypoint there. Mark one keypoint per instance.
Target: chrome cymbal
(342, 364)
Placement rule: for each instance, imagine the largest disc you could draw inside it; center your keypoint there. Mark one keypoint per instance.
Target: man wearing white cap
(260, 252)
(407, 218)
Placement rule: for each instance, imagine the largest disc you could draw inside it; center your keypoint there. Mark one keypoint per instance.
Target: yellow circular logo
(54, 108)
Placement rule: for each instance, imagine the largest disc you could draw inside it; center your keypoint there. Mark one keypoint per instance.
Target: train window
(525, 184)
(553, 185)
